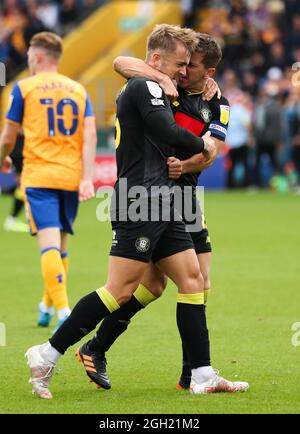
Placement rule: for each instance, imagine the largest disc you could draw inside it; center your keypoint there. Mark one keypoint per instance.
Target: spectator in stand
(4, 46)
(238, 140)
(47, 13)
(277, 56)
(293, 37)
(190, 10)
(231, 85)
(21, 19)
(68, 15)
(33, 24)
(255, 35)
(249, 83)
(295, 134)
(258, 64)
(268, 130)
(236, 48)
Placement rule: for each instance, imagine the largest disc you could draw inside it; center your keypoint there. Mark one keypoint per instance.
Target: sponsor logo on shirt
(154, 89)
(224, 112)
(218, 128)
(157, 101)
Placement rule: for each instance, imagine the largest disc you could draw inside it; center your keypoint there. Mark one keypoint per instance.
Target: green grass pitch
(254, 302)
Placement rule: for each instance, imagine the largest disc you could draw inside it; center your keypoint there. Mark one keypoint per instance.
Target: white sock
(203, 374)
(50, 353)
(42, 307)
(62, 313)
(45, 309)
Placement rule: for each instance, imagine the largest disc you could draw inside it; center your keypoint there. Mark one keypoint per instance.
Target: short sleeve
(219, 123)
(16, 109)
(89, 112)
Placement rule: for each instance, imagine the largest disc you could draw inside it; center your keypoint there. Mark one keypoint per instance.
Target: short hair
(166, 36)
(211, 50)
(48, 41)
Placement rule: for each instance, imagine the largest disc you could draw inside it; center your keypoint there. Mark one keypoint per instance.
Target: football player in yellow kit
(60, 142)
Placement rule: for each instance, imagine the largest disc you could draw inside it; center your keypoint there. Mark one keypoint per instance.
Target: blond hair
(166, 36)
(48, 41)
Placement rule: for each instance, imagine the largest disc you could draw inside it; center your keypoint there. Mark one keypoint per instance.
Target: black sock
(85, 316)
(114, 325)
(186, 366)
(17, 207)
(191, 322)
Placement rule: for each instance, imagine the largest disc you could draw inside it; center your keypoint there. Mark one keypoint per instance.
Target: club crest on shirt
(206, 115)
(154, 89)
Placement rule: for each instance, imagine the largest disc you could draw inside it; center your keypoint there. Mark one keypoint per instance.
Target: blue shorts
(50, 208)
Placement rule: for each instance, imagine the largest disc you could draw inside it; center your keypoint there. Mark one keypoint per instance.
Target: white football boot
(218, 384)
(41, 371)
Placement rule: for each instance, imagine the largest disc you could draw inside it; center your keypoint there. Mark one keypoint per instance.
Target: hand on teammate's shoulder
(211, 89)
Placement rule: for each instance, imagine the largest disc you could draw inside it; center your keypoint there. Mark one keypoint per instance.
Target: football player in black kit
(193, 112)
(145, 135)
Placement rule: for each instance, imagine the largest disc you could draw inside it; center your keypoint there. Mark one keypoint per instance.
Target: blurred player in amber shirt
(60, 141)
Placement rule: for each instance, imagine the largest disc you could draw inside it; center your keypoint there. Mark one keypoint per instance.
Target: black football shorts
(150, 240)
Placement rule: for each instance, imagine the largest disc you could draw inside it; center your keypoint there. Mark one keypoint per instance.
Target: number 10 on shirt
(56, 119)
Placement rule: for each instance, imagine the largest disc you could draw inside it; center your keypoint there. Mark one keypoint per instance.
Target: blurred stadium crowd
(261, 47)
(21, 19)
(259, 73)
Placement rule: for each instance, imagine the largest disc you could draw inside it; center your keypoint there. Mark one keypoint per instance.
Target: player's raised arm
(211, 88)
(130, 67)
